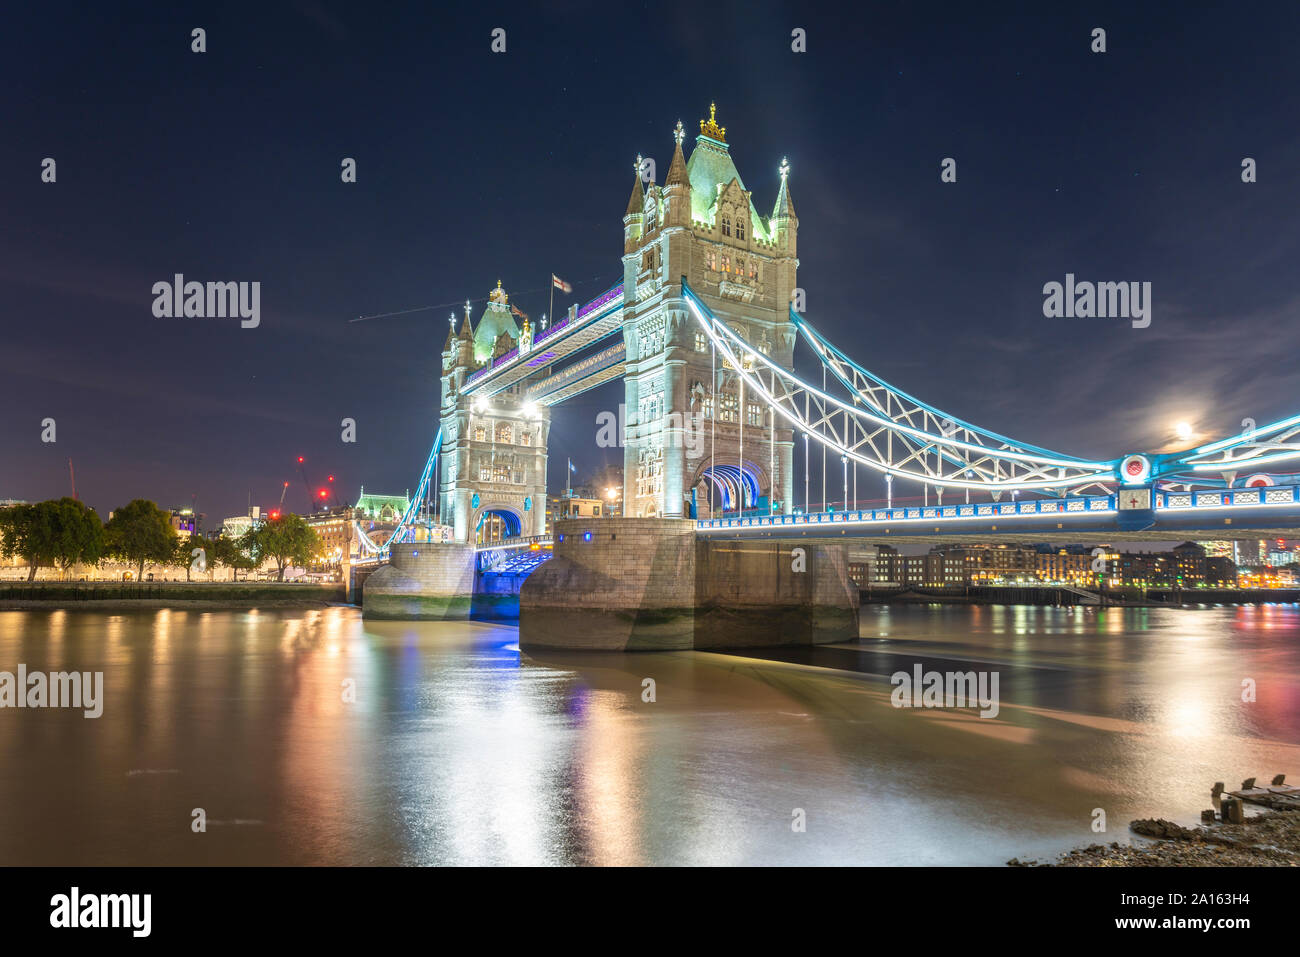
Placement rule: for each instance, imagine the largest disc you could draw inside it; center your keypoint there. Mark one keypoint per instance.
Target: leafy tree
(141, 532)
(284, 539)
(29, 535)
(231, 554)
(184, 556)
(52, 534)
(78, 533)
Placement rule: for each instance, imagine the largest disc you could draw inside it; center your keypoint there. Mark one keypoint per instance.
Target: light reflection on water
(457, 749)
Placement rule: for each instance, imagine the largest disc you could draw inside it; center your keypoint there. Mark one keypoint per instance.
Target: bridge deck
(601, 317)
(1272, 511)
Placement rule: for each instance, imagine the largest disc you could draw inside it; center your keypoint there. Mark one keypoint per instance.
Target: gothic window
(519, 478)
(708, 406)
(485, 474)
(701, 342)
(740, 267)
(505, 433)
(726, 263)
(526, 438)
(726, 226)
(480, 434)
(753, 269)
(501, 473)
(740, 228)
(753, 414)
(710, 259)
(728, 407)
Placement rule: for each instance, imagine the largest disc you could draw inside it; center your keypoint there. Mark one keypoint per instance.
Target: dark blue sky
(474, 166)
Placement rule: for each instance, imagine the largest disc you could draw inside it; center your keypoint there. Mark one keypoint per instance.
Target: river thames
(458, 750)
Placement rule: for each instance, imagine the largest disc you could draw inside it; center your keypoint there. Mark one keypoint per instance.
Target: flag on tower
(560, 284)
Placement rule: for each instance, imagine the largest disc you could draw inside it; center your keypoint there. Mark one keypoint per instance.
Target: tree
(284, 539)
(52, 534)
(141, 532)
(184, 556)
(78, 533)
(230, 553)
(29, 535)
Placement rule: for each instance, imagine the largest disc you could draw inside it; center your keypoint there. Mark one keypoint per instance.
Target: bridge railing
(1166, 501)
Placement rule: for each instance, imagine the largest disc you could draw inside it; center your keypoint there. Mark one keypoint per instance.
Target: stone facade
(493, 449)
(686, 411)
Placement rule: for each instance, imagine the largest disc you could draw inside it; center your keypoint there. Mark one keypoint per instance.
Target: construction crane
(73, 477)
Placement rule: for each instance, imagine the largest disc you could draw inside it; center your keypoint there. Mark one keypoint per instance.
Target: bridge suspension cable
(887, 430)
(408, 520)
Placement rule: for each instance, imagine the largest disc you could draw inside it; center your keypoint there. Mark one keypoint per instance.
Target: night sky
(474, 166)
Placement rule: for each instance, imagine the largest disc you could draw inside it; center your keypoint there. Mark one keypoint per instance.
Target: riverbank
(1268, 839)
(1064, 596)
(118, 596)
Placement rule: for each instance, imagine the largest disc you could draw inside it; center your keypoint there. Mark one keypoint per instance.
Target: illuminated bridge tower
(492, 470)
(692, 433)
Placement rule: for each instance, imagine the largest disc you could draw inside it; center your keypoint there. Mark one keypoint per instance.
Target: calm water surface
(458, 750)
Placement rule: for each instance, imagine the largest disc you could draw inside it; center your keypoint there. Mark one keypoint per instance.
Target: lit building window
(726, 264)
(480, 434)
(505, 433)
(526, 438)
(701, 342)
(728, 407)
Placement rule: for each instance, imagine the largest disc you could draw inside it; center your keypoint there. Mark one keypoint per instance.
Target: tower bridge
(720, 438)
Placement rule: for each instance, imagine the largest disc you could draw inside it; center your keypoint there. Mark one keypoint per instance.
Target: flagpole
(552, 312)
(568, 484)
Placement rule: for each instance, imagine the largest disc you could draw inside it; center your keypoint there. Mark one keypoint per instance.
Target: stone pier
(648, 584)
(426, 581)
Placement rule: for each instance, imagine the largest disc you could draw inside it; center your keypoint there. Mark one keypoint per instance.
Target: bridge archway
(494, 522)
(726, 484)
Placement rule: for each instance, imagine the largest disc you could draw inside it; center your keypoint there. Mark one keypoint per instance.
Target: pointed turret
(784, 208)
(784, 224)
(632, 219)
(466, 328)
(636, 203)
(451, 334)
(677, 185)
(677, 169)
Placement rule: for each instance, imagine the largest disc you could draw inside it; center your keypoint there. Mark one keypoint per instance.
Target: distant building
(1219, 549)
(236, 526)
(874, 565)
(184, 521)
(995, 563)
(1073, 568)
(573, 506)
